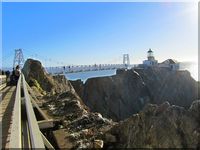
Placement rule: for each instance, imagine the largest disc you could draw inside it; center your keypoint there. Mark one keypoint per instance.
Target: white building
(151, 62)
(150, 59)
(170, 63)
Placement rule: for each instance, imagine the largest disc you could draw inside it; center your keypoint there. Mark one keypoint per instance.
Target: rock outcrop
(156, 126)
(36, 76)
(78, 85)
(176, 87)
(79, 128)
(121, 95)
(117, 96)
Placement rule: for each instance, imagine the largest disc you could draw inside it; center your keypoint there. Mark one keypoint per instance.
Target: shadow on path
(7, 117)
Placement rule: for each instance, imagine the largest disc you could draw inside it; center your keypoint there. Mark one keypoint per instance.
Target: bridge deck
(6, 108)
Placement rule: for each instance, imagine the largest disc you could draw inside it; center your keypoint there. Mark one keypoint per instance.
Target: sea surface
(90, 74)
(192, 67)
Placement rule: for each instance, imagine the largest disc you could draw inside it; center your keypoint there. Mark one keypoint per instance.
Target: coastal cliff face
(116, 97)
(78, 85)
(127, 92)
(156, 126)
(176, 87)
(78, 128)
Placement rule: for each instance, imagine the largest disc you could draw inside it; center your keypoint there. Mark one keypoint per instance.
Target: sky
(87, 33)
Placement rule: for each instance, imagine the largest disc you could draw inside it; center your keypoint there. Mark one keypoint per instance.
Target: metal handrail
(37, 139)
(15, 138)
(35, 134)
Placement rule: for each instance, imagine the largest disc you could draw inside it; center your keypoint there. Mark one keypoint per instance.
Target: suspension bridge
(23, 120)
(86, 68)
(61, 68)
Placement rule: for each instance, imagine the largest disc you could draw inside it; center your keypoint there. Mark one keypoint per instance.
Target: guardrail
(36, 138)
(15, 138)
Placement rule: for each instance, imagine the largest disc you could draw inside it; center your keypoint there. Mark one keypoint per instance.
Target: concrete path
(7, 99)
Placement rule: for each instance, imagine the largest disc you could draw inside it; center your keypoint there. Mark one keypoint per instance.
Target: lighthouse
(150, 59)
(150, 55)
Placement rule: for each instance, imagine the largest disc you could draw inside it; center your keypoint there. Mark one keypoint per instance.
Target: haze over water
(192, 67)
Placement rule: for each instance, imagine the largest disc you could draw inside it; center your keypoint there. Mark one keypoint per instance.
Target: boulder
(98, 144)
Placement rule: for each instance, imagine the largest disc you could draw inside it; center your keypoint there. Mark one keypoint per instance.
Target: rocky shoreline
(86, 111)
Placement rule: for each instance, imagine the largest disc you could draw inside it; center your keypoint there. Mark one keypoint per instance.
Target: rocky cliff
(79, 128)
(78, 86)
(156, 126)
(176, 87)
(36, 76)
(127, 92)
(117, 96)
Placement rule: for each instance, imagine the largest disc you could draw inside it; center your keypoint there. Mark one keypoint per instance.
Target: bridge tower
(126, 60)
(18, 59)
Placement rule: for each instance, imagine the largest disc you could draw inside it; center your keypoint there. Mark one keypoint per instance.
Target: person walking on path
(7, 76)
(17, 73)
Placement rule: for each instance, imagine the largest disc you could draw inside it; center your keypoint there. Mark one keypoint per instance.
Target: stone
(98, 143)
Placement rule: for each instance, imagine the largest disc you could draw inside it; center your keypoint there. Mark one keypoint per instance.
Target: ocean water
(192, 67)
(90, 74)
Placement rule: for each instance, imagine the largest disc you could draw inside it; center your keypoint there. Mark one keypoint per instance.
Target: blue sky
(88, 33)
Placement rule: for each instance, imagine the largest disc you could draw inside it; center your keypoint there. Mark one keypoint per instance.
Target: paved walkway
(7, 97)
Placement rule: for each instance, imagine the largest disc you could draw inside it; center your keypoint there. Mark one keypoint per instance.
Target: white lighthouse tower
(150, 59)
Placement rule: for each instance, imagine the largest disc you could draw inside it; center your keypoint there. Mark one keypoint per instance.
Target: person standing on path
(17, 73)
